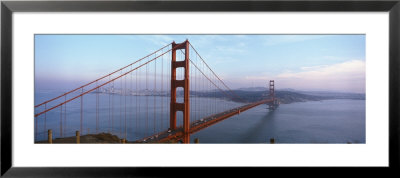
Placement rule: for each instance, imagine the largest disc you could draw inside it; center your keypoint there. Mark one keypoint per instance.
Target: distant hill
(285, 97)
(253, 89)
(337, 95)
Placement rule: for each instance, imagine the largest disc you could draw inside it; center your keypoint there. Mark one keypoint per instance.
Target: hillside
(285, 97)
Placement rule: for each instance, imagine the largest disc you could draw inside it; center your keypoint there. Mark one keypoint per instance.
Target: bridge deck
(199, 124)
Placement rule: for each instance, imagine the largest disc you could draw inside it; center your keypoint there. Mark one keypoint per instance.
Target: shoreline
(89, 138)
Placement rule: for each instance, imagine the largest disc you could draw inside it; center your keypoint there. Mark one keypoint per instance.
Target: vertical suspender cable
(36, 128)
(147, 102)
(81, 129)
(61, 121)
(125, 108)
(112, 107)
(65, 115)
(97, 108)
(191, 90)
(131, 107)
(162, 84)
(154, 95)
(197, 92)
(109, 106)
(210, 93)
(45, 118)
(120, 109)
(140, 116)
(136, 104)
(215, 99)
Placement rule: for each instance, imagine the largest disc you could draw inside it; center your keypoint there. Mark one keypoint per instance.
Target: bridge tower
(174, 106)
(272, 89)
(272, 105)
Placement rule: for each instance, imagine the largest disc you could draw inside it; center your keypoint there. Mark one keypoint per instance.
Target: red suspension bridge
(166, 95)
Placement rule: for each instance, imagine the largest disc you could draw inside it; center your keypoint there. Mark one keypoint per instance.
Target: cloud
(285, 39)
(223, 60)
(313, 67)
(345, 70)
(206, 41)
(347, 76)
(160, 40)
(239, 48)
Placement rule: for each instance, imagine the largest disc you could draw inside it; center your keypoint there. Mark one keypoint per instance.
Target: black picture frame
(8, 7)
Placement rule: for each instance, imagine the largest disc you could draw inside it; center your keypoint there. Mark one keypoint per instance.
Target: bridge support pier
(174, 106)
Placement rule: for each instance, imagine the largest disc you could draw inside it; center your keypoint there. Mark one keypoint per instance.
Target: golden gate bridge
(135, 97)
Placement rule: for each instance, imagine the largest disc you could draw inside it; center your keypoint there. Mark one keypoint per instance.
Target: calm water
(328, 121)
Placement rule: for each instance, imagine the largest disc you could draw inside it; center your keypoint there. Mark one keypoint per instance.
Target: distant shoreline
(243, 96)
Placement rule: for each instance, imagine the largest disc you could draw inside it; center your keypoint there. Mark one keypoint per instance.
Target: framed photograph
(104, 88)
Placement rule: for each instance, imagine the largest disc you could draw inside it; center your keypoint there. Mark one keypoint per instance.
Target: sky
(301, 62)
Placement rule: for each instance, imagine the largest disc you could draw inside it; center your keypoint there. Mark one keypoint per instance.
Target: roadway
(200, 124)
